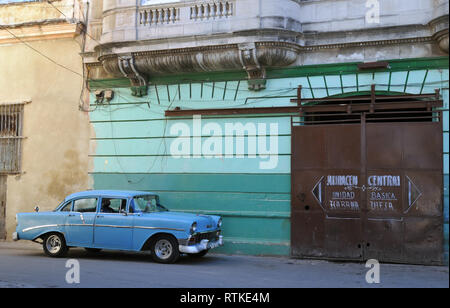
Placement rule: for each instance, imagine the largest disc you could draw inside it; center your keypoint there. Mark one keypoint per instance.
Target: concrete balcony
(199, 22)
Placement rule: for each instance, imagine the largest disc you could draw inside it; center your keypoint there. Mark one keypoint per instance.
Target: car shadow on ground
(124, 256)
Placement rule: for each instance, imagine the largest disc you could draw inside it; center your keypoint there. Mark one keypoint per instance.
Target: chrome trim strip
(160, 228)
(38, 227)
(103, 226)
(113, 226)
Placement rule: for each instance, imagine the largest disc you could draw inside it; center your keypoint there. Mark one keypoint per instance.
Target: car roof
(108, 193)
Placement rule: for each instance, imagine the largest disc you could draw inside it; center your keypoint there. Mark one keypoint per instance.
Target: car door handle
(100, 216)
(71, 215)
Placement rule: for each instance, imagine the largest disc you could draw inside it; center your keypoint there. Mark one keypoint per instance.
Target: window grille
(11, 118)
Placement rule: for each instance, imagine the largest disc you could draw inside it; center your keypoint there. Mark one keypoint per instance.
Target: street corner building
(43, 134)
(316, 129)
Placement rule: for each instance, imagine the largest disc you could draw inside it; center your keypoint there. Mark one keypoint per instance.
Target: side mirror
(36, 208)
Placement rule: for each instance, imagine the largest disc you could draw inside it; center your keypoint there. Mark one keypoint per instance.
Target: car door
(113, 226)
(80, 222)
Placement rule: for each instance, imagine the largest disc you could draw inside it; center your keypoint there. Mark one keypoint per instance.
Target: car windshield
(147, 204)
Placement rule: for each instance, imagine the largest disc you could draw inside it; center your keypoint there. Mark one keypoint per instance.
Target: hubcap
(53, 244)
(163, 249)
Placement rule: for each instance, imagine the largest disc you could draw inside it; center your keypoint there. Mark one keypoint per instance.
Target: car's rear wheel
(199, 254)
(55, 245)
(164, 249)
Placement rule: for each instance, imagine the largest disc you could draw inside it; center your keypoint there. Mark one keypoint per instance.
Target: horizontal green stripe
(256, 228)
(237, 117)
(174, 137)
(258, 165)
(158, 147)
(96, 117)
(269, 205)
(251, 241)
(240, 214)
(208, 156)
(157, 128)
(253, 248)
(204, 120)
(196, 182)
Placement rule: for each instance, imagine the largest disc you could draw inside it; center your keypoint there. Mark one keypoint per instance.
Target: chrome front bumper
(203, 245)
(15, 236)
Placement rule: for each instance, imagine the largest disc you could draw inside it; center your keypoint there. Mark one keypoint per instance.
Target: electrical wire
(39, 52)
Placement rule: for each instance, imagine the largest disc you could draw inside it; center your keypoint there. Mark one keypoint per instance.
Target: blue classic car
(120, 220)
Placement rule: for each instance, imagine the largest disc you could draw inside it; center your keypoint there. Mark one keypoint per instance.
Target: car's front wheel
(55, 245)
(165, 249)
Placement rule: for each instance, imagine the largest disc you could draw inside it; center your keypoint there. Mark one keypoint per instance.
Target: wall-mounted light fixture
(102, 95)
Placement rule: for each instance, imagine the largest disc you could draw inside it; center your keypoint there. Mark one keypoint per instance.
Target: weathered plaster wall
(54, 160)
(28, 12)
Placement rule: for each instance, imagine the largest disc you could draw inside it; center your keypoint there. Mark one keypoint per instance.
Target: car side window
(111, 205)
(85, 205)
(66, 207)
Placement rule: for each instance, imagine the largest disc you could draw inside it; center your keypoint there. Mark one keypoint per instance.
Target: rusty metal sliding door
(325, 217)
(368, 190)
(404, 200)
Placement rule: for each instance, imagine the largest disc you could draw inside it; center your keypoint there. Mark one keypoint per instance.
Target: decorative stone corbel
(442, 40)
(256, 72)
(439, 28)
(139, 85)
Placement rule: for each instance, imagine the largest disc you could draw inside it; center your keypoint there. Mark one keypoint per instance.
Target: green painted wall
(131, 148)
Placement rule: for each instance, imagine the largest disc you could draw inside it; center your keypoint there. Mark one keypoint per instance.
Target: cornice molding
(40, 31)
(254, 58)
(370, 43)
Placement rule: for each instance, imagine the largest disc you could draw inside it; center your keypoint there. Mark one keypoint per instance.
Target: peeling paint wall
(54, 152)
(26, 12)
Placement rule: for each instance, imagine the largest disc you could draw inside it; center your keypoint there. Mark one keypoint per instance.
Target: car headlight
(17, 221)
(193, 228)
(219, 223)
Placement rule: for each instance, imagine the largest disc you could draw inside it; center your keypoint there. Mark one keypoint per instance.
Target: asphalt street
(23, 265)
